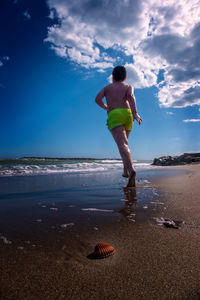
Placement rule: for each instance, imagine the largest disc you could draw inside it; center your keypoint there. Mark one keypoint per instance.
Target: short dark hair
(119, 73)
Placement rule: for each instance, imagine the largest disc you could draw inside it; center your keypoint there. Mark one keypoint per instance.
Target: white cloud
(191, 120)
(4, 58)
(60, 51)
(87, 26)
(27, 15)
(159, 36)
(169, 113)
(140, 75)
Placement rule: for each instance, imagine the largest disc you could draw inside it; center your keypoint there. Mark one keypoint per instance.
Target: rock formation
(186, 158)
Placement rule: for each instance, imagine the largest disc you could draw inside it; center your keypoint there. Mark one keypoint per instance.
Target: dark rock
(172, 223)
(186, 158)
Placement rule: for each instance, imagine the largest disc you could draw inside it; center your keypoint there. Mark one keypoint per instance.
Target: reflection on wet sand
(130, 203)
(130, 194)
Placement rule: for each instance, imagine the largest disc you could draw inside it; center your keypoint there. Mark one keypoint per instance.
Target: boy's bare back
(116, 95)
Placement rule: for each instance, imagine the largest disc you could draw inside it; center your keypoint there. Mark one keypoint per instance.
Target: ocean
(44, 166)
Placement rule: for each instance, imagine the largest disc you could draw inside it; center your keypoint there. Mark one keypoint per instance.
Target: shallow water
(30, 205)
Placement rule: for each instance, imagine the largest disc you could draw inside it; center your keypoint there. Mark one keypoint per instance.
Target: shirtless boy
(121, 109)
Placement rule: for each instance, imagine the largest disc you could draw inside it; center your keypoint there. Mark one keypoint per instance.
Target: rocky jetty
(186, 158)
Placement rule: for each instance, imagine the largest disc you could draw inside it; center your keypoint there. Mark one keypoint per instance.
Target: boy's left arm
(99, 99)
(132, 103)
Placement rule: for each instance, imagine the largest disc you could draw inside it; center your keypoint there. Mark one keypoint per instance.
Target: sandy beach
(151, 261)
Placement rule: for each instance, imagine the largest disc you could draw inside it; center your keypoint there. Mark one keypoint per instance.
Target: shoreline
(184, 190)
(151, 261)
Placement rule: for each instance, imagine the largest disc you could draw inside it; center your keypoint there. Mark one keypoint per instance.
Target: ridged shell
(103, 250)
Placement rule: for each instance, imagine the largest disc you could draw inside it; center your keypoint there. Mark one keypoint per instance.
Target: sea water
(38, 166)
(43, 194)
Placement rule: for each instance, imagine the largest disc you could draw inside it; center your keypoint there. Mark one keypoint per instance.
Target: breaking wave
(25, 166)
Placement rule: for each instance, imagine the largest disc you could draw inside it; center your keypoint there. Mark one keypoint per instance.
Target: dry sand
(151, 261)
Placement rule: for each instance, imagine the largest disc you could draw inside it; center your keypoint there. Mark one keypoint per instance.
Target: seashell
(103, 250)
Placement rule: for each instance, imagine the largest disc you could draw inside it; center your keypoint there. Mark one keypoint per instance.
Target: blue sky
(56, 55)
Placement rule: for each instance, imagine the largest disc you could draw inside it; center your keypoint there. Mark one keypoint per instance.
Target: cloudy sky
(56, 55)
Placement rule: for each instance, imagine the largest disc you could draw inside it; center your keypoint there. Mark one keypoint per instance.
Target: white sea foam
(66, 225)
(168, 222)
(97, 209)
(112, 161)
(131, 217)
(5, 240)
(34, 167)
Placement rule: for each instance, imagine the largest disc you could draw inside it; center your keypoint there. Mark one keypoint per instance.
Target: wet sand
(151, 261)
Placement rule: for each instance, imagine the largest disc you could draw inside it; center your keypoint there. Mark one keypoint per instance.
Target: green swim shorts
(118, 117)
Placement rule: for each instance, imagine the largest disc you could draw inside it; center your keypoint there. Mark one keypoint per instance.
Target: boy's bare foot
(132, 180)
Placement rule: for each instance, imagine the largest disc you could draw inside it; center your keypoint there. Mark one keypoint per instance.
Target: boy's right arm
(132, 103)
(99, 99)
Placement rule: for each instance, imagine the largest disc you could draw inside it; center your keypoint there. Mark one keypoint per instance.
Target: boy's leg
(120, 137)
(126, 173)
(127, 133)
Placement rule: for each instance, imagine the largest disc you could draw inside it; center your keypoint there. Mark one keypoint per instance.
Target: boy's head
(119, 73)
